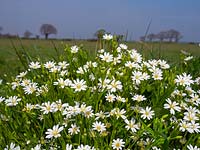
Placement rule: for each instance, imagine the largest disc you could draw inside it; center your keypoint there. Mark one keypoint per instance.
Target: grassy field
(49, 49)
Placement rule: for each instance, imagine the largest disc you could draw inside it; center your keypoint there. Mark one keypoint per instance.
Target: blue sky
(81, 18)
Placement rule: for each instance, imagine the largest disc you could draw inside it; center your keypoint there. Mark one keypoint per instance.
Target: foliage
(118, 100)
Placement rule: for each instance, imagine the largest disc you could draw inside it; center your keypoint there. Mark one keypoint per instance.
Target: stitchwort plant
(116, 101)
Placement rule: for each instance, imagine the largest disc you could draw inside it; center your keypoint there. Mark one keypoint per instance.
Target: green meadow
(51, 49)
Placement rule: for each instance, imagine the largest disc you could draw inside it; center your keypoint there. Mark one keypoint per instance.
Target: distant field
(45, 50)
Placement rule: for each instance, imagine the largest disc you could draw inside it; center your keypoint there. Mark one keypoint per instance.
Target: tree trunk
(46, 36)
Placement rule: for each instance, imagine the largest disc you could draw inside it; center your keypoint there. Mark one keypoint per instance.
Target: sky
(82, 18)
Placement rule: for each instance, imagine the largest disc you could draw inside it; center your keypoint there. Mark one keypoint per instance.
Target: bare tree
(27, 34)
(47, 29)
(151, 37)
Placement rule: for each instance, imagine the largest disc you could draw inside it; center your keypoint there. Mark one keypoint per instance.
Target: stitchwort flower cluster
(118, 100)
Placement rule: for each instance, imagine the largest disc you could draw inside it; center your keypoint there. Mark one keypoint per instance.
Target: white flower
(118, 144)
(58, 106)
(131, 125)
(188, 58)
(1, 81)
(119, 49)
(63, 83)
(54, 69)
(145, 76)
(197, 80)
(28, 107)
(74, 49)
(22, 74)
(138, 98)
(101, 115)
(63, 64)
(152, 63)
(107, 37)
(37, 147)
(120, 99)
(12, 147)
(184, 80)
(155, 148)
(31, 88)
(42, 89)
(157, 74)
(15, 84)
(92, 77)
(195, 99)
(117, 60)
(74, 129)
(68, 147)
(137, 77)
(55, 132)
(1, 99)
(107, 57)
(136, 57)
(195, 127)
(84, 147)
(119, 113)
(12, 101)
(131, 65)
(90, 64)
(110, 97)
(81, 70)
(190, 147)
(25, 82)
(103, 84)
(63, 73)
(98, 126)
(192, 110)
(172, 106)
(185, 126)
(163, 64)
(101, 51)
(47, 107)
(49, 64)
(71, 111)
(34, 65)
(114, 86)
(147, 113)
(79, 85)
(190, 116)
(123, 46)
(88, 112)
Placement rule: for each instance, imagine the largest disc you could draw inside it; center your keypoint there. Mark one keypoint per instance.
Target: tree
(142, 38)
(178, 36)
(99, 33)
(161, 35)
(151, 37)
(1, 28)
(47, 29)
(174, 35)
(119, 38)
(27, 34)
